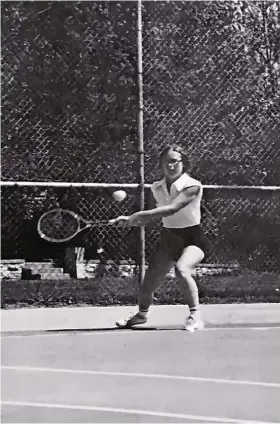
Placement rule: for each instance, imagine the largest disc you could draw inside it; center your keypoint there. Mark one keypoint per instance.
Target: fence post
(141, 137)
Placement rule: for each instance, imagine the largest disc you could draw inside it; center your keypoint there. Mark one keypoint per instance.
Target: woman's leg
(190, 258)
(158, 268)
(160, 265)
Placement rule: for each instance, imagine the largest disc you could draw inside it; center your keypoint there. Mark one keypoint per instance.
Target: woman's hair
(176, 148)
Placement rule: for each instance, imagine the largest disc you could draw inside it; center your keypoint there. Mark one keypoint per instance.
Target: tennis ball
(119, 195)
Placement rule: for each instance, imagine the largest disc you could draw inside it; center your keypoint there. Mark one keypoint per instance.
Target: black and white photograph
(140, 211)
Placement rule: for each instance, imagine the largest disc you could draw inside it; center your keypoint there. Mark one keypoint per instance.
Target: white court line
(140, 375)
(92, 332)
(131, 411)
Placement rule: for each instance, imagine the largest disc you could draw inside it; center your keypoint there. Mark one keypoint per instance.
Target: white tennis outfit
(189, 215)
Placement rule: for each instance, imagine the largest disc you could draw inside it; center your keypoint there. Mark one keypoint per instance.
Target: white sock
(195, 312)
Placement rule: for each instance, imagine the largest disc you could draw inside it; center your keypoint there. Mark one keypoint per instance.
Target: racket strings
(59, 225)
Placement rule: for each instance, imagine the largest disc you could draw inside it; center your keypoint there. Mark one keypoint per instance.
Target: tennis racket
(60, 225)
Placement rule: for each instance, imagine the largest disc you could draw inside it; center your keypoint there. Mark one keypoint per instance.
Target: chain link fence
(211, 83)
(69, 114)
(69, 91)
(242, 228)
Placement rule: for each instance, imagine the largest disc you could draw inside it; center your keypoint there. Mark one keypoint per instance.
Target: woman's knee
(190, 258)
(183, 271)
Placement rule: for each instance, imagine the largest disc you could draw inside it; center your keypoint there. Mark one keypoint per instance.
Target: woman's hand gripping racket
(60, 225)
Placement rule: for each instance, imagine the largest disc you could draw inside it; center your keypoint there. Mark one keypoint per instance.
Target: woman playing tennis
(177, 202)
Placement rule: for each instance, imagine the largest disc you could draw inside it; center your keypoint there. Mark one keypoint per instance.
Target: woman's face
(172, 165)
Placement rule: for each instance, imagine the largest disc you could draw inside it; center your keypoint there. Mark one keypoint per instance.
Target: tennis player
(177, 202)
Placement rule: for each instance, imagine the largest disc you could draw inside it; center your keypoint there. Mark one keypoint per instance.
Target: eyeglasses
(173, 162)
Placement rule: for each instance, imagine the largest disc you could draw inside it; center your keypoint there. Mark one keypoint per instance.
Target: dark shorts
(175, 240)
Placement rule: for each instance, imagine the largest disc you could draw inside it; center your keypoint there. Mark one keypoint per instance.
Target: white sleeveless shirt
(188, 216)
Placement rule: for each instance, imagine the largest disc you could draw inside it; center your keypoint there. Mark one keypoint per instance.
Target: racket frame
(79, 220)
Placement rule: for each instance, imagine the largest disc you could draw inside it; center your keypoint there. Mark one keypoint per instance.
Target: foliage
(212, 84)
(70, 95)
(69, 90)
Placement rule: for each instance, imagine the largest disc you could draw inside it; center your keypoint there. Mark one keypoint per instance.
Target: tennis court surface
(72, 365)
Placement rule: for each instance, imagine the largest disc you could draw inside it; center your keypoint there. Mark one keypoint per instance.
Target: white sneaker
(136, 319)
(193, 324)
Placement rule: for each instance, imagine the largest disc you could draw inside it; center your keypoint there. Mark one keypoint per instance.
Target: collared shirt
(188, 216)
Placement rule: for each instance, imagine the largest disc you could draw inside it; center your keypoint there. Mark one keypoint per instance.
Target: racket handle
(99, 223)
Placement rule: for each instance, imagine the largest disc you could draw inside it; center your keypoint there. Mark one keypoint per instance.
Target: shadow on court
(145, 327)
